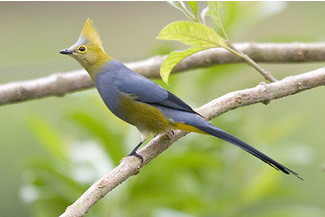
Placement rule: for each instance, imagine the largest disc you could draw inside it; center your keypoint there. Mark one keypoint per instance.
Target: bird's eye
(82, 49)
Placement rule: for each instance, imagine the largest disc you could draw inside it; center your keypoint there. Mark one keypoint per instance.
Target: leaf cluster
(200, 37)
(193, 33)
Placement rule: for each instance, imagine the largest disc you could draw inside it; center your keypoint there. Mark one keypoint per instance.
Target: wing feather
(147, 91)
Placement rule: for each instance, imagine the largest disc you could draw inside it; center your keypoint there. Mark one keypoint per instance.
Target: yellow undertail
(188, 128)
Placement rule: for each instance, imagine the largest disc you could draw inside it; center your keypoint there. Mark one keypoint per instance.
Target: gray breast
(108, 91)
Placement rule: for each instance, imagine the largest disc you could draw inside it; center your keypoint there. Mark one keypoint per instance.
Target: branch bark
(129, 166)
(60, 84)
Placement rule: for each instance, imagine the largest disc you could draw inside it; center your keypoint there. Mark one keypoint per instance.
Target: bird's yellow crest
(88, 50)
(90, 34)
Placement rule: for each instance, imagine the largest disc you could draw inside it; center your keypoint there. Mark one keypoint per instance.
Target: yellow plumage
(188, 128)
(93, 57)
(90, 34)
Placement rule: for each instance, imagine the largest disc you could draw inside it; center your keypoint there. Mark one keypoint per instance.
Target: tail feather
(213, 130)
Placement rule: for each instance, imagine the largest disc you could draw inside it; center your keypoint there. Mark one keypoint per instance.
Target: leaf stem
(267, 75)
(189, 15)
(221, 26)
(243, 56)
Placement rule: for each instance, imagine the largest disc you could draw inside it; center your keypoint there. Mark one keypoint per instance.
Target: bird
(143, 103)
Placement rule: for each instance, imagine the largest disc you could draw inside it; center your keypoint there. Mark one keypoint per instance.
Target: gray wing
(148, 91)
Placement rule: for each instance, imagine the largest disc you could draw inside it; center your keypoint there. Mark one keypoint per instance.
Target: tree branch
(60, 84)
(129, 166)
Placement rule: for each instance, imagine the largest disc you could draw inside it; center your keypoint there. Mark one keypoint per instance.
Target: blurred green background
(52, 149)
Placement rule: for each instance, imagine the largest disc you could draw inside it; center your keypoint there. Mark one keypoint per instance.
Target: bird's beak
(65, 51)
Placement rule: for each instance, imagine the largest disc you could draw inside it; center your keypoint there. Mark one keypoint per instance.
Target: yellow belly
(148, 119)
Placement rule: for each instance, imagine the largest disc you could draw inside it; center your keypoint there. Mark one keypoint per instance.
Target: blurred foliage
(78, 140)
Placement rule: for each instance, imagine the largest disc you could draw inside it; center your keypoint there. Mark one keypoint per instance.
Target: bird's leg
(134, 152)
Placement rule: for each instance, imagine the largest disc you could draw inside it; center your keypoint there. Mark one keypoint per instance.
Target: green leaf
(175, 57)
(193, 6)
(214, 12)
(194, 34)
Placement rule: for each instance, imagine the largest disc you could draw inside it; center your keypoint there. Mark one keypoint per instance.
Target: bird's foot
(134, 153)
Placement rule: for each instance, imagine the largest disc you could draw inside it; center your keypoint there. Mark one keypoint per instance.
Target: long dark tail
(213, 130)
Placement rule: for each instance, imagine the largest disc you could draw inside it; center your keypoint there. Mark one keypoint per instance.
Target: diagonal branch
(129, 166)
(60, 84)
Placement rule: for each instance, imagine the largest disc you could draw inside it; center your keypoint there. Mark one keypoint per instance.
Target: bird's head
(88, 50)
